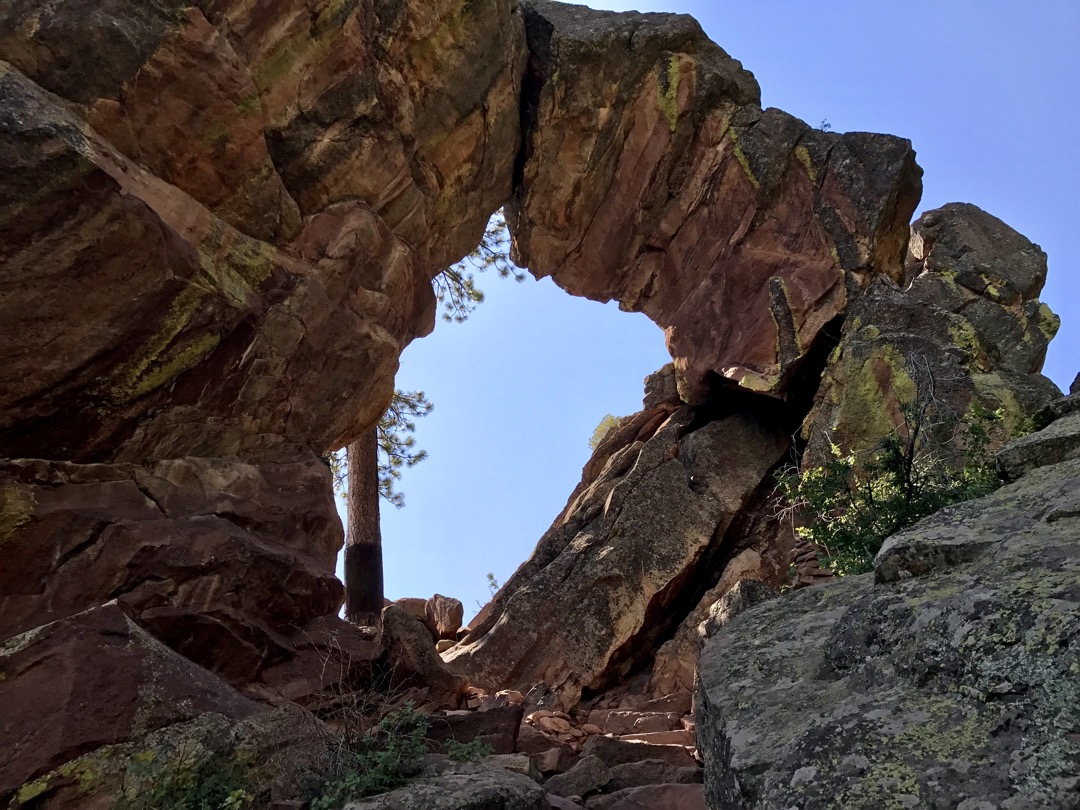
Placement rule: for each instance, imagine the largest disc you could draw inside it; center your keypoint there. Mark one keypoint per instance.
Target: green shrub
(173, 778)
(468, 752)
(375, 763)
(850, 505)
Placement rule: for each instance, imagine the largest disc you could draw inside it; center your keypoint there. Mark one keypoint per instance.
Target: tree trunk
(363, 541)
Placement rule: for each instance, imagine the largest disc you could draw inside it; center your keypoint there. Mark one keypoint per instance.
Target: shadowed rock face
(224, 245)
(653, 178)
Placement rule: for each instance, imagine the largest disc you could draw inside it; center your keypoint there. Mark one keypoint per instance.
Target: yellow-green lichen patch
(880, 787)
(178, 362)
(667, 89)
(803, 156)
(88, 772)
(31, 790)
(232, 266)
(872, 389)
(740, 155)
(1047, 322)
(16, 507)
(249, 105)
(455, 26)
(287, 58)
(235, 264)
(964, 337)
(944, 736)
(990, 388)
(758, 381)
(129, 377)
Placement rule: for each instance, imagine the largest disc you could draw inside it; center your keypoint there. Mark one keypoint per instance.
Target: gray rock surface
(952, 684)
(1058, 442)
(462, 787)
(588, 775)
(746, 594)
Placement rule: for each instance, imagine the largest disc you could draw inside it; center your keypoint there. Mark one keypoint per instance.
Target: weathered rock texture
(618, 558)
(219, 223)
(951, 682)
(654, 178)
(968, 328)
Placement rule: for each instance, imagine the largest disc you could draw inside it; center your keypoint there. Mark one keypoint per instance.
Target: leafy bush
(607, 424)
(181, 779)
(850, 505)
(468, 752)
(375, 763)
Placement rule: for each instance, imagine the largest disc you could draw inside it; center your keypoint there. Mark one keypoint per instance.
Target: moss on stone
(16, 507)
(667, 89)
(803, 156)
(744, 161)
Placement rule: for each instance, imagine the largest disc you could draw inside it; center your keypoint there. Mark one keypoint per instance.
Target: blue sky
(986, 90)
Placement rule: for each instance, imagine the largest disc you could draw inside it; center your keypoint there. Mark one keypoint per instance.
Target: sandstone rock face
(588, 775)
(100, 680)
(497, 728)
(413, 655)
(950, 682)
(223, 561)
(969, 327)
(443, 616)
(675, 663)
(619, 556)
(219, 223)
(747, 226)
(218, 229)
(293, 239)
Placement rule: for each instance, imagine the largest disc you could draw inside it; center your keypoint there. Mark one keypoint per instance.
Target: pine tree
(372, 465)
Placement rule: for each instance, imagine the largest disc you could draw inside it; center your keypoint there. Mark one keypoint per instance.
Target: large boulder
(222, 560)
(270, 193)
(600, 583)
(480, 786)
(967, 330)
(952, 681)
(92, 680)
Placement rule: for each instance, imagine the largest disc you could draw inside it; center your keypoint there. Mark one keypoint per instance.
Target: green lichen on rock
(929, 689)
(744, 161)
(667, 89)
(232, 266)
(1047, 322)
(141, 373)
(16, 508)
(802, 154)
(88, 772)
